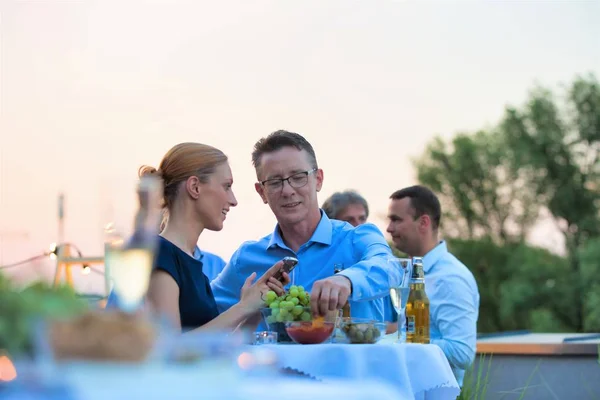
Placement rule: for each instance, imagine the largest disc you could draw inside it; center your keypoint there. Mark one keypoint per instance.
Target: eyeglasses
(296, 181)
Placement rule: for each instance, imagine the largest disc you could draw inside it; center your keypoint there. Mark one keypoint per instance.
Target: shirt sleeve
(226, 287)
(373, 275)
(456, 319)
(166, 261)
(389, 312)
(221, 263)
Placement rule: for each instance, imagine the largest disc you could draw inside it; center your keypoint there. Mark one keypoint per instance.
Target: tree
(519, 286)
(561, 151)
(590, 265)
(481, 194)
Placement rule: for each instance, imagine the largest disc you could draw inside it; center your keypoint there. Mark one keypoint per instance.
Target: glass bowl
(274, 326)
(362, 330)
(283, 322)
(311, 332)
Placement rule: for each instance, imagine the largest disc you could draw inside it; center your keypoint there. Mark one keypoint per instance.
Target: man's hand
(330, 294)
(391, 327)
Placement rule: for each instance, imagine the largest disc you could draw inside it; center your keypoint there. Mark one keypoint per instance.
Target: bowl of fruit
(292, 309)
(315, 331)
(362, 330)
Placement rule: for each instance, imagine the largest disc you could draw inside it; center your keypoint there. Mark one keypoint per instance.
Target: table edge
(550, 349)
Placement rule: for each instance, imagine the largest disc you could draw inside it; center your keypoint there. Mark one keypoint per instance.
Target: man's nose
(287, 189)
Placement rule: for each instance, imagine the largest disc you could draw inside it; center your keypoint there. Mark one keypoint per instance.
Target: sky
(89, 91)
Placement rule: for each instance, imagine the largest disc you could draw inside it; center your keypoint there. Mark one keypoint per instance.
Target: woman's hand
(252, 296)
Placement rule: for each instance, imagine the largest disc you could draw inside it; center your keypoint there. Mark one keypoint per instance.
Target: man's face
(403, 227)
(355, 214)
(290, 203)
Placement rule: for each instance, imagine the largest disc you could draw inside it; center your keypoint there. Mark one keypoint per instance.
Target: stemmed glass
(116, 207)
(399, 291)
(129, 261)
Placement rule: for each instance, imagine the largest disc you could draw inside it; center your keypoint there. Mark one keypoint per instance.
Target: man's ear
(319, 176)
(261, 191)
(424, 222)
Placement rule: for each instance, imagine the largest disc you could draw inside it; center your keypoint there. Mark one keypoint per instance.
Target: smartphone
(289, 263)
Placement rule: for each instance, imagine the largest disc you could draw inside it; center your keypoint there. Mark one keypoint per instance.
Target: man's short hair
(337, 202)
(423, 200)
(278, 140)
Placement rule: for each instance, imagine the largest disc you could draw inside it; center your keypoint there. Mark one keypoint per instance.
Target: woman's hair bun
(146, 170)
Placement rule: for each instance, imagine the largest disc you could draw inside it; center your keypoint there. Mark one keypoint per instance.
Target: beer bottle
(417, 306)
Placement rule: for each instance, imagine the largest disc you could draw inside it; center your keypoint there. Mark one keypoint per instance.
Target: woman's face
(216, 198)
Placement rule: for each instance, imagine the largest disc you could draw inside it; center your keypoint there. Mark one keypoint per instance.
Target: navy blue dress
(197, 304)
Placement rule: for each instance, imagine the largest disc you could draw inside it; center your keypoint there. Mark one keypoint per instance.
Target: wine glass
(129, 261)
(114, 238)
(399, 291)
(116, 207)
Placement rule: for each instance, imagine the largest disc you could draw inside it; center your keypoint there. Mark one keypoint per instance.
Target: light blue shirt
(212, 265)
(389, 312)
(363, 252)
(454, 307)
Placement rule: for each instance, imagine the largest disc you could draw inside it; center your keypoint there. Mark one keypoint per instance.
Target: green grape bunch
(291, 306)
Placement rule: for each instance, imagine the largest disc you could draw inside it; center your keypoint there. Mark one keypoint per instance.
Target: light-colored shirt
(362, 252)
(454, 307)
(389, 312)
(212, 265)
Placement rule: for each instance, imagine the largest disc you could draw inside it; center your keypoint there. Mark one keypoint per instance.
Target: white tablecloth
(96, 382)
(416, 371)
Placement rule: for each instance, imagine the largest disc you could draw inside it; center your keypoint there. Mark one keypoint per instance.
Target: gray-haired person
(351, 207)
(347, 206)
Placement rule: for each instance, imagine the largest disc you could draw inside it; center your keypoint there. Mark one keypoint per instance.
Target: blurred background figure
(347, 206)
(351, 207)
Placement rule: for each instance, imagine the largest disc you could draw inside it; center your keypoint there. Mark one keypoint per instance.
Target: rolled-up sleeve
(374, 274)
(456, 319)
(227, 286)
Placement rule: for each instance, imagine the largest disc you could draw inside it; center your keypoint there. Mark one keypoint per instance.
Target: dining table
(208, 381)
(415, 371)
(384, 371)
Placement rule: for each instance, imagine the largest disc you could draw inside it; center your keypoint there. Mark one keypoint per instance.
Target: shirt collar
(323, 234)
(434, 255)
(198, 255)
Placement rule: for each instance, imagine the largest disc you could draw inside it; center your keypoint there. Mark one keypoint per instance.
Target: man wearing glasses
(288, 181)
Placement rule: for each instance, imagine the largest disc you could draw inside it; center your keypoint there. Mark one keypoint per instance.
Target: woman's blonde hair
(181, 162)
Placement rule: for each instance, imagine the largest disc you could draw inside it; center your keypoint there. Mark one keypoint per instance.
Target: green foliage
(20, 309)
(590, 266)
(518, 285)
(563, 150)
(561, 146)
(481, 194)
(476, 382)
